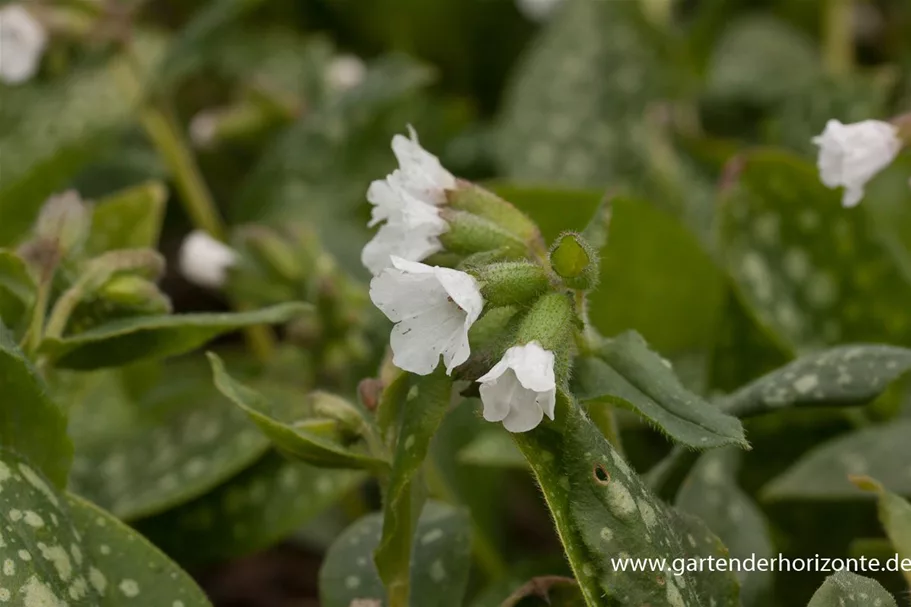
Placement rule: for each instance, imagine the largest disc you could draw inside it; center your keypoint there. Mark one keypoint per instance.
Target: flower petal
(498, 394)
(523, 418)
(534, 366)
(417, 342)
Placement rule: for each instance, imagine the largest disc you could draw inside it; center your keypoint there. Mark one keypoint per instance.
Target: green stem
(485, 551)
(36, 326)
(839, 37)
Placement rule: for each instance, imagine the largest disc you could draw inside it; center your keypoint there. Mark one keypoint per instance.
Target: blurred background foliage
(725, 251)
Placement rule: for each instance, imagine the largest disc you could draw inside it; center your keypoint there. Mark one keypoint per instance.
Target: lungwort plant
(648, 363)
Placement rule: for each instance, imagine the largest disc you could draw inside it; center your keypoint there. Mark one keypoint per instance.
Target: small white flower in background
(204, 261)
(520, 389)
(22, 43)
(203, 128)
(345, 72)
(433, 308)
(850, 155)
(537, 10)
(407, 200)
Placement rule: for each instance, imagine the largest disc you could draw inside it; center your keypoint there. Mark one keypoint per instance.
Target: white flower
(204, 261)
(433, 308)
(520, 389)
(345, 72)
(204, 128)
(850, 155)
(537, 10)
(22, 42)
(407, 200)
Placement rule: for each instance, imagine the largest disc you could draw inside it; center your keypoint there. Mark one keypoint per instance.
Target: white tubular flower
(22, 43)
(204, 261)
(433, 308)
(520, 389)
(345, 72)
(407, 201)
(850, 155)
(537, 10)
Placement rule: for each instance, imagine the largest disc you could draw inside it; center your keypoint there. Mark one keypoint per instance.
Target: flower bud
(273, 251)
(64, 221)
(575, 261)
(476, 200)
(469, 233)
(336, 408)
(550, 322)
(136, 292)
(511, 282)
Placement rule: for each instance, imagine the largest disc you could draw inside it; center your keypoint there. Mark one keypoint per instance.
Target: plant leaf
(17, 288)
(316, 441)
(439, 567)
(846, 589)
(627, 373)
(895, 516)
(601, 508)
(788, 245)
(710, 492)
(31, 424)
(127, 340)
(129, 219)
(61, 550)
(254, 510)
(422, 413)
(843, 376)
(881, 452)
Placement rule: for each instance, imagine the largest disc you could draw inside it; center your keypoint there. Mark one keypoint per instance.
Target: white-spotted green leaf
(128, 219)
(895, 516)
(194, 444)
(17, 288)
(127, 340)
(252, 511)
(439, 566)
(317, 440)
(710, 492)
(846, 589)
(422, 413)
(810, 271)
(31, 423)
(602, 508)
(882, 452)
(59, 550)
(626, 372)
(842, 376)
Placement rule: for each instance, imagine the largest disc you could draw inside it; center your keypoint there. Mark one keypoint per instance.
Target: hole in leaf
(601, 474)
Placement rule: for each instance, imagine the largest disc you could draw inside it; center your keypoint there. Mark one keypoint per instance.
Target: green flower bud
(336, 408)
(272, 251)
(483, 203)
(469, 234)
(64, 222)
(550, 322)
(575, 261)
(511, 282)
(136, 292)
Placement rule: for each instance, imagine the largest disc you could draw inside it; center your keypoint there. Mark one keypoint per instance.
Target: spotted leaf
(255, 509)
(626, 372)
(601, 508)
(31, 424)
(843, 376)
(882, 452)
(812, 272)
(895, 516)
(127, 340)
(439, 566)
(59, 550)
(845, 589)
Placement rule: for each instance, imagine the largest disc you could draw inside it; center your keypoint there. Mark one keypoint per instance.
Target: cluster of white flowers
(22, 43)
(432, 307)
(850, 155)
(408, 202)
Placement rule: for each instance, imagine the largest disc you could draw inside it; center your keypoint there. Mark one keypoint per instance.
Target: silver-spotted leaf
(31, 423)
(812, 272)
(252, 511)
(625, 371)
(439, 565)
(842, 376)
(846, 589)
(882, 452)
(317, 441)
(710, 492)
(127, 340)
